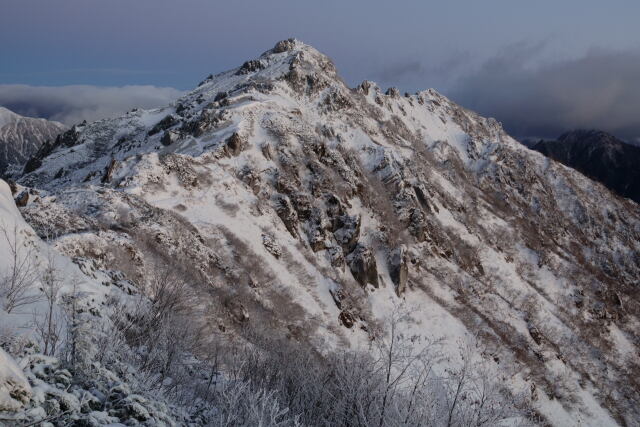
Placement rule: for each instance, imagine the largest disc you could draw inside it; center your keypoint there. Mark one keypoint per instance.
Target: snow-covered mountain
(296, 206)
(21, 137)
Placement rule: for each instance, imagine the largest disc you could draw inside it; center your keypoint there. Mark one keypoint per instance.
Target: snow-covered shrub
(19, 275)
(15, 391)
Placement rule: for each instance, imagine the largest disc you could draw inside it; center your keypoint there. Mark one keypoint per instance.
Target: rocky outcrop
(284, 45)
(234, 145)
(346, 319)
(399, 269)
(347, 232)
(271, 245)
(363, 266)
(169, 137)
(165, 123)
(250, 67)
(108, 174)
(287, 213)
(22, 199)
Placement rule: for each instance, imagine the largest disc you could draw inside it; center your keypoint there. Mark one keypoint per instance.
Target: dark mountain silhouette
(600, 156)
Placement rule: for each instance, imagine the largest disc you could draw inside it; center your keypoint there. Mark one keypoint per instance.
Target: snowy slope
(7, 116)
(318, 208)
(34, 386)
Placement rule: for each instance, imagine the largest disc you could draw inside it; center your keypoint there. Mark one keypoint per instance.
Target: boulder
(398, 268)
(363, 266)
(169, 137)
(347, 319)
(234, 145)
(22, 199)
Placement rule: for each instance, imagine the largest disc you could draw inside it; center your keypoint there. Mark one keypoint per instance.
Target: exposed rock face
(166, 123)
(346, 319)
(599, 156)
(22, 199)
(234, 145)
(287, 214)
(363, 266)
(108, 174)
(250, 67)
(271, 245)
(169, 137)
(284, 45)
(399, 269)
(348, 232)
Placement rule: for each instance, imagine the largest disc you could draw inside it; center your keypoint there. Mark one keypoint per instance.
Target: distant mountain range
(21, 137)
(598, 155)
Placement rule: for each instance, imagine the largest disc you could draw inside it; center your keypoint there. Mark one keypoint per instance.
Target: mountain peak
(287, 45)
(7, 116)
(289, 59)
(588, 135)
(297, 203)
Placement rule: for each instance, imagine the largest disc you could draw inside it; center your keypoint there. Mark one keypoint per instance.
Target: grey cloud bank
(73, 104)
(600, 90)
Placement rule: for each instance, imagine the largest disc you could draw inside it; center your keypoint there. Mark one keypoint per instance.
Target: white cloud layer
(73, 104)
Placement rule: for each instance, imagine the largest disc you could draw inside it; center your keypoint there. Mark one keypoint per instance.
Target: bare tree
(49, 324)
(17, 282)
(403, 361)
(77, 345)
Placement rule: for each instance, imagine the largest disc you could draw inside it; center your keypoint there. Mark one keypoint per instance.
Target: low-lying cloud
(600, 90)
(73, 104)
